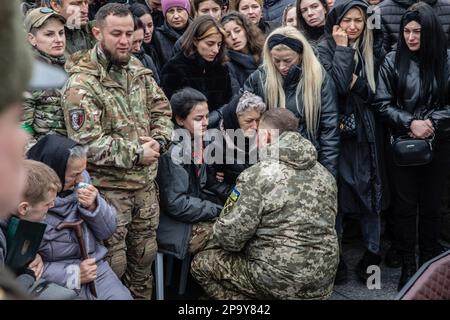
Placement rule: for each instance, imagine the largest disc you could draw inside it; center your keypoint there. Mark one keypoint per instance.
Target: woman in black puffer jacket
(292, 77)
(412, 98)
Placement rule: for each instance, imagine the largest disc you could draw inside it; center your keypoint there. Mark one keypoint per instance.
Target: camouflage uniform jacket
(109, 111)
(79, 39)
(281, 216)
(42, 112)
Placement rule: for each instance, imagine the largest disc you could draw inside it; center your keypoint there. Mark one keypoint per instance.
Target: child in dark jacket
(39, 195)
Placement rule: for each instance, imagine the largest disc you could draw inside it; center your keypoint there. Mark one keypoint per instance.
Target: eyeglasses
(46, 10)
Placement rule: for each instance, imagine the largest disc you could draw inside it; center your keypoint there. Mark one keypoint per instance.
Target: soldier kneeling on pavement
(275, 237)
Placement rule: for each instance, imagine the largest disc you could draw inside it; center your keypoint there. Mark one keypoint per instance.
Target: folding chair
(431, 281)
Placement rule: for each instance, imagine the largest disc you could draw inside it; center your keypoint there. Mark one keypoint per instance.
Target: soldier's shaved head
(111, 9)
(280, 119)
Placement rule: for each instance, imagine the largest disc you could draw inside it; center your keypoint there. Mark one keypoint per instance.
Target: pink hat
(167, 4)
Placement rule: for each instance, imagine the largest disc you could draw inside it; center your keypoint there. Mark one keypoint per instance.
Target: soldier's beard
(116, 60)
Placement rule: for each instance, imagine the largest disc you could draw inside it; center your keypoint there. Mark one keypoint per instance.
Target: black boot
(369, 258)
(393, 258)
(342, 272)
(409, 268)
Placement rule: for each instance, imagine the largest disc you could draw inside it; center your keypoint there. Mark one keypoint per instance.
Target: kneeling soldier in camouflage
(275, 237)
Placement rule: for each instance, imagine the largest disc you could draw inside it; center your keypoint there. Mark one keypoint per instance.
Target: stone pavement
(354, 289)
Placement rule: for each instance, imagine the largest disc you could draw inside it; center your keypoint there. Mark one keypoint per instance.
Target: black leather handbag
(412, 152)
(347, 124)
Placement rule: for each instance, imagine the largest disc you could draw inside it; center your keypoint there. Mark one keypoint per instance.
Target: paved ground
(353, 249)
(355, 289)
(352, 290)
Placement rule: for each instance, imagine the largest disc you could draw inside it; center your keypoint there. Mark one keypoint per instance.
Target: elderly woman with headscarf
(78, 200)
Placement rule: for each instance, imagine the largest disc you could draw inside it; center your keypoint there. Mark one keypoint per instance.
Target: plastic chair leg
(159, 270)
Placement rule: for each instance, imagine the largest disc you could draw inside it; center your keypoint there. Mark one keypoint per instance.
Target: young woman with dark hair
(138, 51)
(245, 43)
(412, 98)
(144, 14)
(211, 7)
(189, 194)
(348, 55)
(311, 16)
(200, 65)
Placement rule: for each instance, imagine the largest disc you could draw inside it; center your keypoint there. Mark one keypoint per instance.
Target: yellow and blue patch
(235, 194)
(232, 199)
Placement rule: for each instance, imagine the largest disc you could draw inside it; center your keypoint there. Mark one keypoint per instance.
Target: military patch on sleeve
(76, 119)
(232, 199)
(235, 194)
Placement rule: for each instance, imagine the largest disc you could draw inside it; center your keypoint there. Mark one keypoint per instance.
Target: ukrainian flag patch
(235, 194)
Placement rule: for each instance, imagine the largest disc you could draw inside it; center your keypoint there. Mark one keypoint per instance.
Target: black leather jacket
(391, 12)
(326, 140)
(399, 114)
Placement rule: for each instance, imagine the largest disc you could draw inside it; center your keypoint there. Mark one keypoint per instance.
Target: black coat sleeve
(441, 122)
(338, 64)
(328, 129)
(175, 200)
(254, 83)
(171, 79)
(385, 99)
(235, 86)
(441, 115)
(221, 189)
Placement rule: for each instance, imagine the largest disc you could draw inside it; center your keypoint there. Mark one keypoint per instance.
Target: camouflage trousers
(225, 275)
(132, 248)
(201, 233)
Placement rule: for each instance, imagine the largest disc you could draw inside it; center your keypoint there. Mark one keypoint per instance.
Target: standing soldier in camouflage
(42, 108)
(275, 238)
(78, 28)
(112, 104)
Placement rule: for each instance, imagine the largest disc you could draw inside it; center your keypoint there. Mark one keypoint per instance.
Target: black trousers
(416, 200)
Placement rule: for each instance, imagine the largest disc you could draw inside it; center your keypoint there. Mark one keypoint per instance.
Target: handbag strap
(429, 140)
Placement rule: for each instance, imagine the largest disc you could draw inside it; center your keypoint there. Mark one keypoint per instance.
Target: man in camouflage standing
(78, 28)
(112, 104)
(275, 237)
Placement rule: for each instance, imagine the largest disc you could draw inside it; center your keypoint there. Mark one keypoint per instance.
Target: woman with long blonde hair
(349, 55)
(291, 77)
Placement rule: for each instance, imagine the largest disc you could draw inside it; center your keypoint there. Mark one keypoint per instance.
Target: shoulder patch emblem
(235, 194)
(76, 119)
(232, 199)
